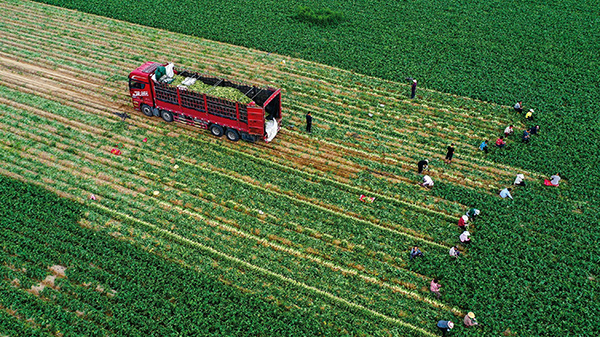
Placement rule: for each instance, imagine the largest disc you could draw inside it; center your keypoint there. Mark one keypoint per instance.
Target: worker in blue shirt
(445, 326)
(526, 136)
(484, 146)
(414, 252)
(506, 193)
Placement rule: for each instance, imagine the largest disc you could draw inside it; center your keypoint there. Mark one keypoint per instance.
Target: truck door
(140, 93)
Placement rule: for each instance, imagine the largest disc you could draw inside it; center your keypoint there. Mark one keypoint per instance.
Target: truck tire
(146, 110)
(166, 115)
(216, 130)
(232, 135)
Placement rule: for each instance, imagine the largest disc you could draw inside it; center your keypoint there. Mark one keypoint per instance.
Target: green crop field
(195, 235)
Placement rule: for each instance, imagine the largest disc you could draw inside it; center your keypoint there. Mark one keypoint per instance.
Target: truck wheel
(216, 130)
(167, 116)
(232, 135)
(146, 110)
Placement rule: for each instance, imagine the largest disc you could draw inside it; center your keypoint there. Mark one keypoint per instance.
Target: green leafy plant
(319, 16)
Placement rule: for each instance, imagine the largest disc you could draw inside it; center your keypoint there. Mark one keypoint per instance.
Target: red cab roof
(144, 71)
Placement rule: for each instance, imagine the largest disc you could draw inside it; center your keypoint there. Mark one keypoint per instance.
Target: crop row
(49, 89)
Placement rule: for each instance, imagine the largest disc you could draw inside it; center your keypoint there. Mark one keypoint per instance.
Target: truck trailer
(205, 101)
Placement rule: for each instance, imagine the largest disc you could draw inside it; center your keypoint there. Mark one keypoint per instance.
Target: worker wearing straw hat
(445, 326)
(470, 319)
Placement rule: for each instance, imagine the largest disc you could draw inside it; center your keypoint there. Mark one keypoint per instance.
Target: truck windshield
(135, 85)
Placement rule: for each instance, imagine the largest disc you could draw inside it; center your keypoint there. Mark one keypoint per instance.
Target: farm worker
(508, 131)
(520, 180)
(454, 252)
(500, 142)
(427, 181)
(470, 319)
(519, 107)
(364, 198)
(462, 222)
(435, 286)
(445, 326)
(553, 182)
(506, 193)
(473, 212)
(464, 237)
(525, 136)
(529, 115)
(449, 154)
(484, 146)
(413, 89)
(534, 129)
(414, 252)
(423, 164)
(308, 122)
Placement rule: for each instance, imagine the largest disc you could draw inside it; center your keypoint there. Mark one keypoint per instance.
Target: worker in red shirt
(462, 222)
(500, 142)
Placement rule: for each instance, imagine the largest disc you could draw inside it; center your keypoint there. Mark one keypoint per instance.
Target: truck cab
(139, 86)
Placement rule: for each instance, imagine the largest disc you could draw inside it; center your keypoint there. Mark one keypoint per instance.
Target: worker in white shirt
(427, 181)
(454, 252)
(464, 237)
(520, 180)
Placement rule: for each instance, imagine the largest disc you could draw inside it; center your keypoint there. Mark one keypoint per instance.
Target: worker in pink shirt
(435, 287)
(500, 142)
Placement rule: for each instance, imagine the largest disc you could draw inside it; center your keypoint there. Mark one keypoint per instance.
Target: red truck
(257, 117)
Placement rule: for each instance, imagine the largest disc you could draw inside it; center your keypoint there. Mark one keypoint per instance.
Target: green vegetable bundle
(227, 93)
